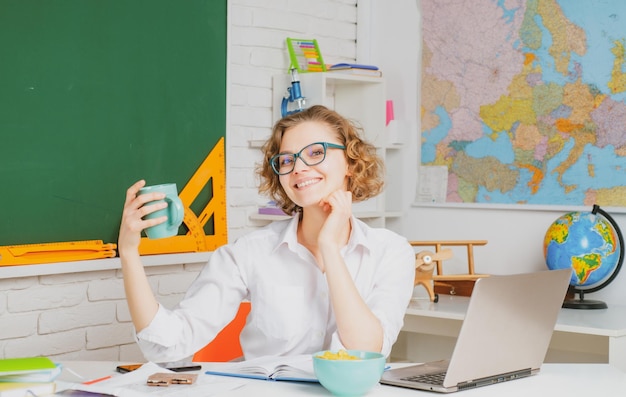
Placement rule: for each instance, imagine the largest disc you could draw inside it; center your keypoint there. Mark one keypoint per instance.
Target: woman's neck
(311, 222)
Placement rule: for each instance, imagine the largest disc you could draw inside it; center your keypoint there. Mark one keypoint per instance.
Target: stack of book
(27, 377)
(357, 69)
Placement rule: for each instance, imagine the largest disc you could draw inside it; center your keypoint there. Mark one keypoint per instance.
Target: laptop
(504, 336)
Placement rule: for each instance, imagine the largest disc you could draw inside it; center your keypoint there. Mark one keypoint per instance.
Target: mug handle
(175, 207)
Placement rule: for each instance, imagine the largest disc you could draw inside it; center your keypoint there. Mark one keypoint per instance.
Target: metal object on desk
(165, 379)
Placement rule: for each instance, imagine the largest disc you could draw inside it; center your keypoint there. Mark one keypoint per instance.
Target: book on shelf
(357, 69)
(30, 369)
(26, 389)
(293, 368)
(271, 209)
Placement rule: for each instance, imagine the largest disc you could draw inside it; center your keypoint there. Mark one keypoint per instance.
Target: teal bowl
(349, 378)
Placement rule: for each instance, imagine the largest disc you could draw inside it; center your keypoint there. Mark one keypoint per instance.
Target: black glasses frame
(296, 156)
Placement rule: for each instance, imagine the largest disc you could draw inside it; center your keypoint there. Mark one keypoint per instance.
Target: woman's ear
(349, 171)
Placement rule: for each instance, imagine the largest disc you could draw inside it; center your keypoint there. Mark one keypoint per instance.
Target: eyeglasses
(313, 154)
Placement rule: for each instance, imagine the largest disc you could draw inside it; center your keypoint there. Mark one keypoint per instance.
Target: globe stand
(581, 303)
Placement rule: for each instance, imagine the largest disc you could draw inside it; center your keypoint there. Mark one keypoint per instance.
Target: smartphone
(180, 366)
(127, 368)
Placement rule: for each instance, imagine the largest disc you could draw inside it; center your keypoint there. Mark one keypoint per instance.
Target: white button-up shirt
(291, 311)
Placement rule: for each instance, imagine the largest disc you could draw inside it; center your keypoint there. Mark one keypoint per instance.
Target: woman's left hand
(336, 228)
(352, 314)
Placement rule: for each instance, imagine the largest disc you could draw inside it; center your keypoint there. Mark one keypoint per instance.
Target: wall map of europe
(524, 102)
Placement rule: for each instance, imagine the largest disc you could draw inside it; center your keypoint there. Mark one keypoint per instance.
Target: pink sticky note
(389, 112)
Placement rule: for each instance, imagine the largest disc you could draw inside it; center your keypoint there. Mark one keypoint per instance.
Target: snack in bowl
(348, 373)
(340, 355)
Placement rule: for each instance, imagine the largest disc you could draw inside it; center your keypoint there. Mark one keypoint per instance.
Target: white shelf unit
(361, 99)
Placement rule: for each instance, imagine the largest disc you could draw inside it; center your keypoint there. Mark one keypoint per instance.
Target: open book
(292, 368)
(133, 384)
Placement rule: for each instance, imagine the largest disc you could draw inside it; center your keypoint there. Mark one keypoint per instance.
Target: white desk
(580, 335)
(572, 380)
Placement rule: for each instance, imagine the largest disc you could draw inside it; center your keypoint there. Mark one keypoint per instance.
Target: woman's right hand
(132, 217)
(141, 301)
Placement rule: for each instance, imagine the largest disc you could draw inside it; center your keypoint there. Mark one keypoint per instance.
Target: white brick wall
(257, 51)
(83, 316)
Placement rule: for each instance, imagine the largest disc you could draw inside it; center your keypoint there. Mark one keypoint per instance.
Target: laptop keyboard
(431, 379)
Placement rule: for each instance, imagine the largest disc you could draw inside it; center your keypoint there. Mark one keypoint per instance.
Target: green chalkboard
(96, 94)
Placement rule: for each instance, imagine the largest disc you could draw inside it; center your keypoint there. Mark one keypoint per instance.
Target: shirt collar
(358, 236)
(290, 234)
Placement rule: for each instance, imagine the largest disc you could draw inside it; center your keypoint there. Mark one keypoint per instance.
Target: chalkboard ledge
(99, 264)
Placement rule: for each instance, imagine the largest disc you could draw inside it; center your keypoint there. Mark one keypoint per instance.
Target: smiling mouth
(307, 183)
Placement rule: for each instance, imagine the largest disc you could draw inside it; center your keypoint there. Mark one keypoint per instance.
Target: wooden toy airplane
(426, 260)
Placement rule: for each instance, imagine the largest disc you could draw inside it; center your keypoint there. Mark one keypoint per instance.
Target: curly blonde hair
(366, 167)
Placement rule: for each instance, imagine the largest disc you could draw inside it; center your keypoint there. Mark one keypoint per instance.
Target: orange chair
(225, 346)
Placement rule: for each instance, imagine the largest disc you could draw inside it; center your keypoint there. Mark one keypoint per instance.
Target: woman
(321, 280)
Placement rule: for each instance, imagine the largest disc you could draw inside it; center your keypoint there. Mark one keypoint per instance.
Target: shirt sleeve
(392, 287)
(210, 303)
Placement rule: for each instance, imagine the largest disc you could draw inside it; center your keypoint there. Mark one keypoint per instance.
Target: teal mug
(174, 211)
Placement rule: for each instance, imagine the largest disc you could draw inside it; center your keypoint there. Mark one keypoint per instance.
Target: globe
(591, 244)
